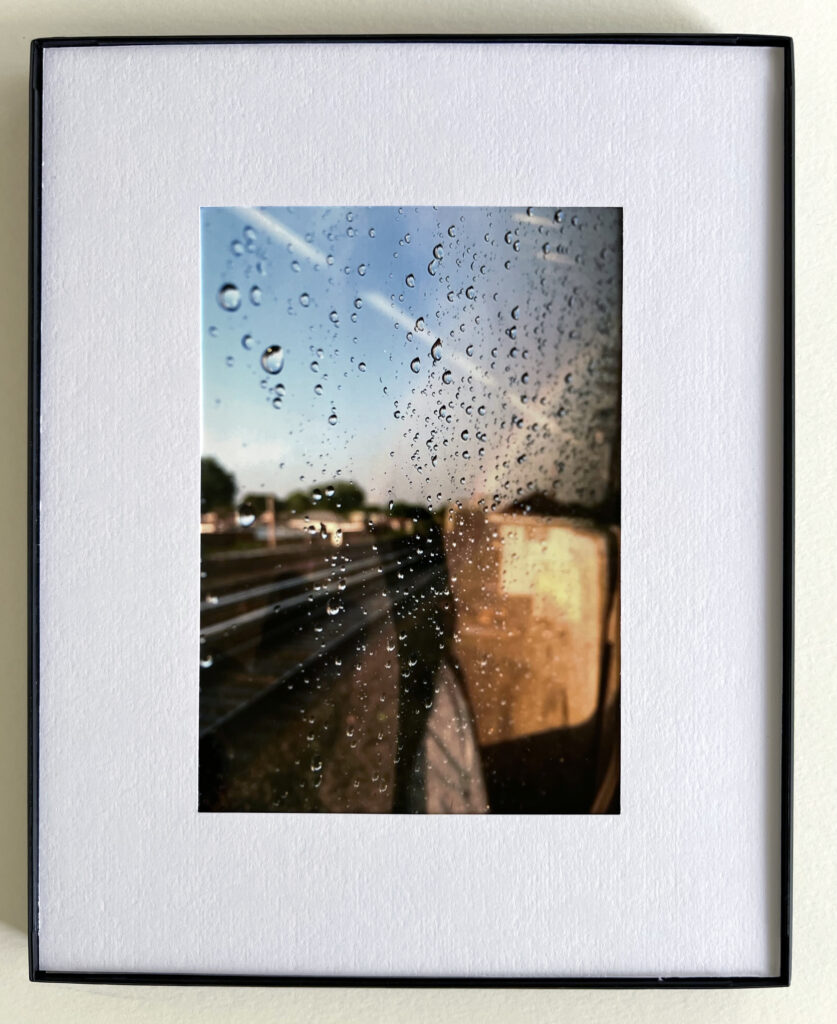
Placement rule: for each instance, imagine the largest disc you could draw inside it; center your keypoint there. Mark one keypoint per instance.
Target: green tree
(217, 486)
(403, 510)
(342, 496)
(297, 501)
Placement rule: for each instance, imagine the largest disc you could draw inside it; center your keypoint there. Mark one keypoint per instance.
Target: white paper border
(688, 141)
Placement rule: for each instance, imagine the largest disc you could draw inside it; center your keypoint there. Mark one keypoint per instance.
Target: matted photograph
(418, 608)
(410, 509)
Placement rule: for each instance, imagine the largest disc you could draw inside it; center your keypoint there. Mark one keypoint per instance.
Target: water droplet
(236, 248)
(438, 251)
(230, 361)
(420, 324)
(452, 231)
(446, 377)
(246, 514)
(256, 295)
(304, 299)
(318, 389)
(316, 494)
(470, 292)
(273, 359)
(415, 365)
(317, 764)
(334, 607)
(410, 281)
(358, 302)
(229, 297)
(436, 350)
(207, 661)
(295, 267)
(247, 341)
(332, 419)
(333, 316)
(371, 232)
(362, 367)
(515, 313)
(465, 435)
(362, 269)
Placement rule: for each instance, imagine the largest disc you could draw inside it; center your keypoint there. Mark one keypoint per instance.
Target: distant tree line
(218, 489)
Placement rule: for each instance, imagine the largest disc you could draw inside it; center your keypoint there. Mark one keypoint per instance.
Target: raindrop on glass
(436, 350)
(415, 365)
(410, 281)
(229, 297)
(246, 514)
(304, 299)
(273, 359)
(247, 341)
(256, 295)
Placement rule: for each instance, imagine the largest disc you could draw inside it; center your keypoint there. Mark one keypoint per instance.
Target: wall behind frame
(811, 996)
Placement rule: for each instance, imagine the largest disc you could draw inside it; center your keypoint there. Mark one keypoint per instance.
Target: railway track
(269, 617)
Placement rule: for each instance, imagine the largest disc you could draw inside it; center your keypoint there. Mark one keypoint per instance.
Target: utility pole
(270, 509)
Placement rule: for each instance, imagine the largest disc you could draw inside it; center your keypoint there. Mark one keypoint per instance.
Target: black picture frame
(782, 978)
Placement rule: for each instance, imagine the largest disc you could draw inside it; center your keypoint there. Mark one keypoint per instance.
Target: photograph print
(410, 510)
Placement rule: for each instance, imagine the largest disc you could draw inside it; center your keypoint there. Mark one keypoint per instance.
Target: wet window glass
(410, 482)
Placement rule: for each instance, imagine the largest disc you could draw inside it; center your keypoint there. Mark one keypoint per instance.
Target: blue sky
(525, 306)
